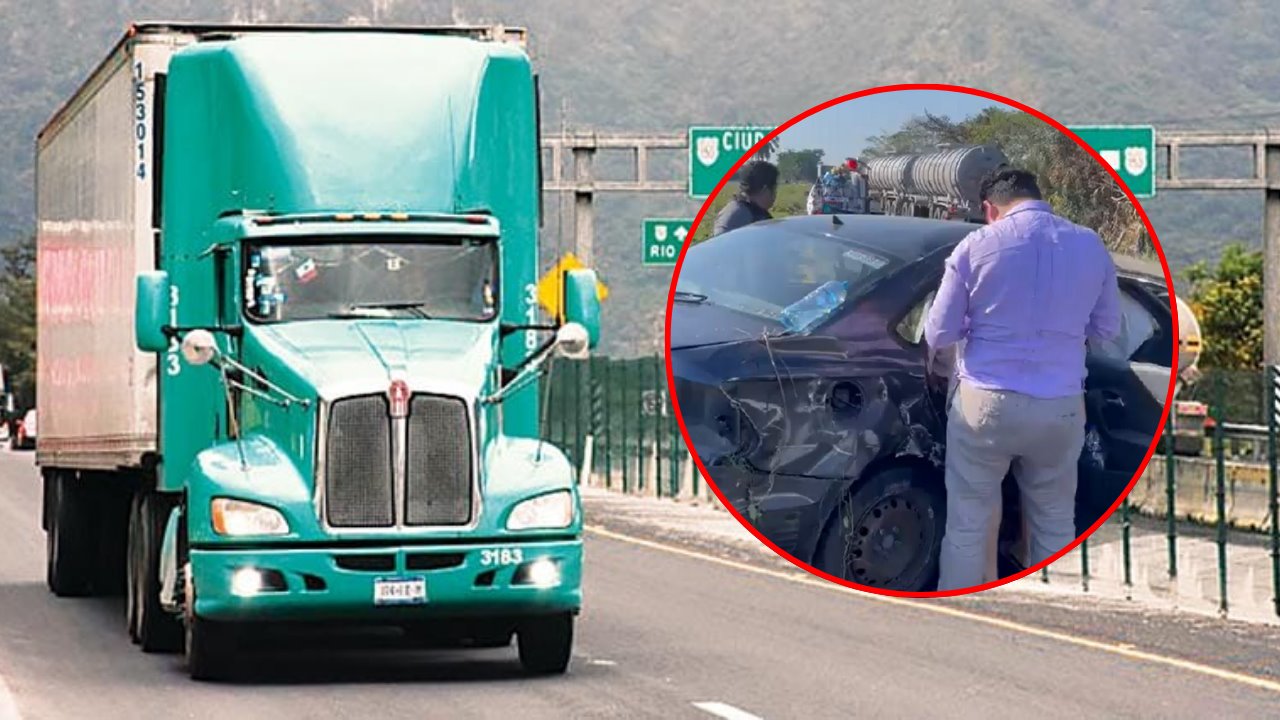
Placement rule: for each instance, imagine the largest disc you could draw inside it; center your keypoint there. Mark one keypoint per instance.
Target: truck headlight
(238, 517)
(553, 510)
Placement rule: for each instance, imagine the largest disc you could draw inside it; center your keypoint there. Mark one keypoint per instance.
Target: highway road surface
(666, 633)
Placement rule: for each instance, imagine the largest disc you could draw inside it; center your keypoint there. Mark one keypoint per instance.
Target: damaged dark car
(803, 381)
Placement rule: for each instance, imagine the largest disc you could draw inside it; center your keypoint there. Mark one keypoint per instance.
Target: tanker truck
(942, 184)
(289, 347)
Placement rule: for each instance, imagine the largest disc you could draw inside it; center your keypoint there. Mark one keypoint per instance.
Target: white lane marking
(8, 707)
(606, 663)
(806, 579)
(728, 712)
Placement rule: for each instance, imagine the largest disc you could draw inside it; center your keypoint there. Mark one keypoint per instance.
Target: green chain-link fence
(1232, 493)
(624, 406)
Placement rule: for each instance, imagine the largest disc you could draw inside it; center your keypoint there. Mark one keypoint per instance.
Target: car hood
(705, 323)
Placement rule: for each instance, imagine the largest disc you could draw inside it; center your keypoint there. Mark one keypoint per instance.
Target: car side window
(1137, 327)
(911, 327)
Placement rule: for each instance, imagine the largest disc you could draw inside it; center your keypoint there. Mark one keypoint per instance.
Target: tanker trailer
(942, 184)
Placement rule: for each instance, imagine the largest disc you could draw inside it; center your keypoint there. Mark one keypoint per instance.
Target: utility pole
(1271, 256)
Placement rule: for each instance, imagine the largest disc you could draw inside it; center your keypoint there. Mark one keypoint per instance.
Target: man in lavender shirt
(1022, 294)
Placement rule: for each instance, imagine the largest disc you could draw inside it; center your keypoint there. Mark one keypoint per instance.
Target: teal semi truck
(289, 345)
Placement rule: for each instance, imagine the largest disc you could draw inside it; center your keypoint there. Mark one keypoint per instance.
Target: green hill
(662, 66)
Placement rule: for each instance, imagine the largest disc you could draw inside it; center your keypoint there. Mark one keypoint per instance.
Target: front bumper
(467, 581)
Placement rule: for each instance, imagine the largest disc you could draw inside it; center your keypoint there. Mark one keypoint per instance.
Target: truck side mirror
(581, 303)
(151, 311)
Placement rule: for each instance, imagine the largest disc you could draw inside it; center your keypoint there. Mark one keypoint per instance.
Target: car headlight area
(239, 518)
(553, 510)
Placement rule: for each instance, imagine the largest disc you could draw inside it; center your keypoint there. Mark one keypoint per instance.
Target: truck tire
(153, 629)
(112, 500)
(210, 649)
(546, 643)
(70, 537)
(210, 646)
(131, 592)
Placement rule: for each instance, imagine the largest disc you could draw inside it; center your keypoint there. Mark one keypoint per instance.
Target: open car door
(1124, 396)
(1128, 380)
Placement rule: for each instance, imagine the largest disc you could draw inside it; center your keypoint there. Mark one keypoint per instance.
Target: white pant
(988, 434)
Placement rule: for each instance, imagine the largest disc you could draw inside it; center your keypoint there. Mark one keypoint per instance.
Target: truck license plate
(399, 591)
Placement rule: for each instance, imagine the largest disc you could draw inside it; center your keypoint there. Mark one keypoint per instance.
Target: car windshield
(430, 277)
(763, 273)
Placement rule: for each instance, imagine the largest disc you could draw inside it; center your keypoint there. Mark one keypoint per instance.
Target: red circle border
(675, 276)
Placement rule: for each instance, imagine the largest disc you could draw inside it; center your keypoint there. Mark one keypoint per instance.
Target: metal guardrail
(624, 406)
(1223, 432)
(636, 446)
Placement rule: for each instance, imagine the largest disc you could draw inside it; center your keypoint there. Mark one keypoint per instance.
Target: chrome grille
(358, 464)
(438, 465)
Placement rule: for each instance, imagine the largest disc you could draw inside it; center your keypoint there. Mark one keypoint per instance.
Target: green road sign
(1130, 149)
(714, 150)
(663, 238)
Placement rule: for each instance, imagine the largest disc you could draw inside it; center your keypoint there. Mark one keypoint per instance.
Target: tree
(799, 165)
(18, 319)
(1081, 190)
(1227, 299)
(1073, 182)
(922, 133)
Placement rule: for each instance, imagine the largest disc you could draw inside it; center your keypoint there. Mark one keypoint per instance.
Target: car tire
(887, 531)
(546, 644)
(69, 539)
(154, 630)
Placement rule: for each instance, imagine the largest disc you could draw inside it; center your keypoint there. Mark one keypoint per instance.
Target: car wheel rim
(891, 539)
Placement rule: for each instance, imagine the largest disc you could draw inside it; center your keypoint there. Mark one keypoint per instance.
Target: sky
(842, 130)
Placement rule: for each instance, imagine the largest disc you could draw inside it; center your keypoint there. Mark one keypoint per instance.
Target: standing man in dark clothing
(758, 189)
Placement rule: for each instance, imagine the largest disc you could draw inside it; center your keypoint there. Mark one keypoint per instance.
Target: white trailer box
(96, 174)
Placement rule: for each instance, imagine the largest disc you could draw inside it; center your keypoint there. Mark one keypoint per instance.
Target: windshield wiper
(689, 297)
(354, 309)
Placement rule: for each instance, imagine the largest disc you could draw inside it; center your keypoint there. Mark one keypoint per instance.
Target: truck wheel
(211, 648)
(112, 502)
(546, 643)
(210, 645)
(131, 590)
(152, 628)
(69, 540)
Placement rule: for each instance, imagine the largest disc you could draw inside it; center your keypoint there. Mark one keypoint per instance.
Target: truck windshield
(434, 277)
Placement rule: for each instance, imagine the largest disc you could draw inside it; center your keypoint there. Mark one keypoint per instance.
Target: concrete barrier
(1195, 497)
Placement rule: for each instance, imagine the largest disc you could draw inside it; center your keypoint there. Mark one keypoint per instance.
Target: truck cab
(346, 351)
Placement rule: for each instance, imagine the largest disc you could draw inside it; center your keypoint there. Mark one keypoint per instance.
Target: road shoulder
(1234, 646)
